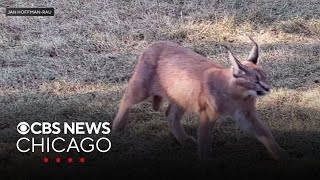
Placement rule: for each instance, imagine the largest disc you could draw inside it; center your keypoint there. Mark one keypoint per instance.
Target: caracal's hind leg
(134, 94)
(174, 114)
(156, 102)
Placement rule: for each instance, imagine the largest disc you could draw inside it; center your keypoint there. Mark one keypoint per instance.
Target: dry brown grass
(75, 66)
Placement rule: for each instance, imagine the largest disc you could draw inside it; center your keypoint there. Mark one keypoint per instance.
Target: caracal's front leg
(249, 123)
(207, 122)
(174, 114)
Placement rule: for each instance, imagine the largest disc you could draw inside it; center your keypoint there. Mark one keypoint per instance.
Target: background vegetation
(75, 66)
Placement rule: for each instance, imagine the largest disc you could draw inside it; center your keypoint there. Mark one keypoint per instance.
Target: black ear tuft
(238, 68)
(254, 54)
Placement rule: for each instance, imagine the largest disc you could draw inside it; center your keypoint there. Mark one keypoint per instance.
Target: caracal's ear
(238, 68)
(254, 54)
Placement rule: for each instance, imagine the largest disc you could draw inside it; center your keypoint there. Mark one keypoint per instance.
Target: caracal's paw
(190, 142)
(118, 126)
(282, 155)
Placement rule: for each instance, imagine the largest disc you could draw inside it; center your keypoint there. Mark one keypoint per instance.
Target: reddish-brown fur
(191, 83)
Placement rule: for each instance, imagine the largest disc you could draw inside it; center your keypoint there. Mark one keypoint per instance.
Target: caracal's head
(248, 78)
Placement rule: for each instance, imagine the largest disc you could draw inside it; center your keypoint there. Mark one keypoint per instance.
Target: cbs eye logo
(23, 128)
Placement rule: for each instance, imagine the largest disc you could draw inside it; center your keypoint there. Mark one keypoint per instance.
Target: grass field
(75, 67)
